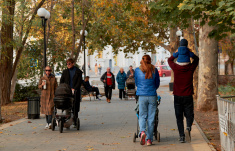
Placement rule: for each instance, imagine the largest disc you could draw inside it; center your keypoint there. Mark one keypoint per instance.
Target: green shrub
(22, 92)
(226, 90)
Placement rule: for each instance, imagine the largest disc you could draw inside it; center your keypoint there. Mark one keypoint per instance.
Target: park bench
(84, 92)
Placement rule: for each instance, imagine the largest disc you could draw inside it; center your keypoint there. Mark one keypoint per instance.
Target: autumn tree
(215, 21)
(10, 42)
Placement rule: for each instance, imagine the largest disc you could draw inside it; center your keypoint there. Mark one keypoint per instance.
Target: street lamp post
(84, 47)
(44, 14)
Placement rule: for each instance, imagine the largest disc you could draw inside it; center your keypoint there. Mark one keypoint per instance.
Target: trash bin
(33, 107)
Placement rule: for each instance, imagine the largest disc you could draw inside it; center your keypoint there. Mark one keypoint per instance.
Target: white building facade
(108, 59)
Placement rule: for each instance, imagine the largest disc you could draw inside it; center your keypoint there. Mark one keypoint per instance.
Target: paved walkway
(104, 127)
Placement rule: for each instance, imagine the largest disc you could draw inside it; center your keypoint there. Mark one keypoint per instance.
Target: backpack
(63, 90)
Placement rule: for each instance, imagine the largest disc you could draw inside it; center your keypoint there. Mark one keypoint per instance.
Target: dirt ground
(14, 111)
(209, 123)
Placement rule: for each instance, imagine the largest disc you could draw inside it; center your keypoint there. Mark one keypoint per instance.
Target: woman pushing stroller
(147, 81)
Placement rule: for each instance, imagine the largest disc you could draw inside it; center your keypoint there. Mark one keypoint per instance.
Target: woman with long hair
(147, 81)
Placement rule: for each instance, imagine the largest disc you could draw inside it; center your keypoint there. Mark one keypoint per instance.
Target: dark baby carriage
(130, 87)
(156, 134)
(64, 100)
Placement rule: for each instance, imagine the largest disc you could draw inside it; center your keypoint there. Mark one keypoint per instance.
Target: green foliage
(220, 13)
(226, 90)
(22, 92)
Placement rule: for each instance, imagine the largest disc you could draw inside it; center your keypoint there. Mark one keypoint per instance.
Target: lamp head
(42, 12)
(179, 33)
(48, 15)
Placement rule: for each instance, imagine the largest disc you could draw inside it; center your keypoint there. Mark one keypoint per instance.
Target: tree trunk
(6, 60)
(13, 85)
(73, 29)
(208, 70)
(189, 35)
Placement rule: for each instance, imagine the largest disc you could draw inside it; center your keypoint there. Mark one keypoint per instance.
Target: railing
(226, 111)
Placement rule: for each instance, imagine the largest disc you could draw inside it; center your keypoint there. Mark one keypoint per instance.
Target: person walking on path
(183, 91)
(99, 69)
(109, 83)
(131, 72)
(147, 81)
(73, 77)
(48, 85)
(96, 69)
(90, 88)
(121, 80)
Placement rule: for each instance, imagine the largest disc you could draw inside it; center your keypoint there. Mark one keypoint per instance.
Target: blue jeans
(147, 111)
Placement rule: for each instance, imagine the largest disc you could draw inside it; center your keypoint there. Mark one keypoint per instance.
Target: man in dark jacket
(183, 91)
(73, 77)
(90, 88)
(131, 72)
(109, 83)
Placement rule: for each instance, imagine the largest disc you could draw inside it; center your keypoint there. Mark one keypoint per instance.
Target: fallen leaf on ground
(172, 144)
(1, 132)
(29, 122)
(11, 125)
(173, 129)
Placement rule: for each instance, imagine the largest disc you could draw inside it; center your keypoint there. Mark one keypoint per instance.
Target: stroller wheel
(61, 126)
(134, 137)
(53, 124)
(78, 124)
(158, 136)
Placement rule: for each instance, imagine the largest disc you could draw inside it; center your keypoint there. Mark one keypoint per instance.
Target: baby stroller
(64, 100)
(156, 134)
(130, 87)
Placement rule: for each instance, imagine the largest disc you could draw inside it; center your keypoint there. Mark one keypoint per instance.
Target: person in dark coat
(131, 72)
(183, 92)
(109, 83)
(73, 77)
(121, 80)
(90, 88)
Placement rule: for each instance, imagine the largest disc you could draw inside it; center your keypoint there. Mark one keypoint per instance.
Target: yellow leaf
(225, 134)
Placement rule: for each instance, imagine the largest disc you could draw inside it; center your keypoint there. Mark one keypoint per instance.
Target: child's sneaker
(142, 138)
(149, 142)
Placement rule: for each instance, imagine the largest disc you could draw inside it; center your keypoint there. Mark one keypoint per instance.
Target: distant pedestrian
(89, 67)
(147, 81)
(131, 72)
(134, 65)
(48, 85)
(183, 89)
(99, 69)
(109, 83)
(96, 69)
(73, 77)
(121, 80)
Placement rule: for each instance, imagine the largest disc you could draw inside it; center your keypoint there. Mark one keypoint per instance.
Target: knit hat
(184, 42)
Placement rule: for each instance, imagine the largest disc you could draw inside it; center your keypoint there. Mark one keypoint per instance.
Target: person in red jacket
(109, 83)
(183, 91)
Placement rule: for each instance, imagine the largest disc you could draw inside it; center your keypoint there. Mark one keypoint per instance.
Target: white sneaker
(47, 126)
